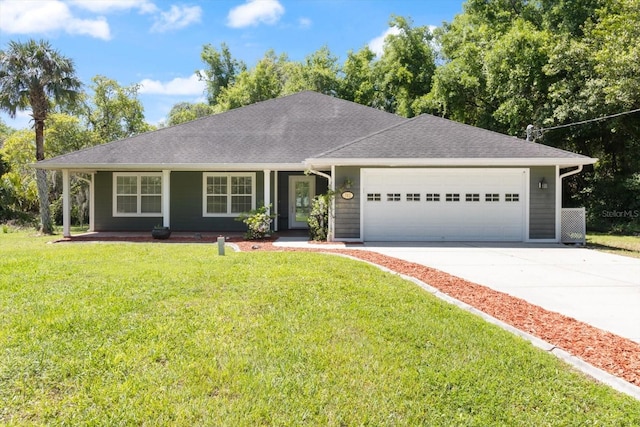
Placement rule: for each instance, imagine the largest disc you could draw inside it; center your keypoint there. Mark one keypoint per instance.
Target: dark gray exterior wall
(347, 212)
(103, 217)
(542, 203)
(185, 204)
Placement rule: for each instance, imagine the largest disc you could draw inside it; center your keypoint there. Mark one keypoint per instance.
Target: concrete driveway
(597, 288)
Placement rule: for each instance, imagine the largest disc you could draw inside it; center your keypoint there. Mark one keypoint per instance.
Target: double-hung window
(137, 194)
(228, 194)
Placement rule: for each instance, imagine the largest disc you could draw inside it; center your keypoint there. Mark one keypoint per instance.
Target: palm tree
(34, 75)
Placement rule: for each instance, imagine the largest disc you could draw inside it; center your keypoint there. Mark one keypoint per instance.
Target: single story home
(420, 179)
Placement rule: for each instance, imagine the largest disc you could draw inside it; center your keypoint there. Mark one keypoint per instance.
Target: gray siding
(542, 202)
(185, 204)
(347, 212)
(104, 219)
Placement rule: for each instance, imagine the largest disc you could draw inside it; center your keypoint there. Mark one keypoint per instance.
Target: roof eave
(435, 162)
(141, 167)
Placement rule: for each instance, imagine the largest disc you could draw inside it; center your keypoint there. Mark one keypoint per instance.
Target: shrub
(319, 217)
(258, 222)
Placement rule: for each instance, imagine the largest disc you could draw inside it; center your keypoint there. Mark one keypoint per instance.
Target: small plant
(258, 222)
(319, 218)
(5, 228)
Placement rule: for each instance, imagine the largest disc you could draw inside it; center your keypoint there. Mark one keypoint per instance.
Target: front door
(302, 189)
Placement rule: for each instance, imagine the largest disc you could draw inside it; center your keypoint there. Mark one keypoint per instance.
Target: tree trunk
(46, 227)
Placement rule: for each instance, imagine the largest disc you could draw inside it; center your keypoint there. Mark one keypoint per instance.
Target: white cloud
(98, 28)
(37, 17)
(377, 44)
(254, 12)
(41, 17)
(106, 6)
(177, 17)
(178, 86)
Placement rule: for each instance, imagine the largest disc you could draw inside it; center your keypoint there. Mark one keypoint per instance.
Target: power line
(540, 131)
(591, 120)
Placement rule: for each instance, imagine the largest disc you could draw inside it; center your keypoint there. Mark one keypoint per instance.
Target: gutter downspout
(330, 226)
(559, 198)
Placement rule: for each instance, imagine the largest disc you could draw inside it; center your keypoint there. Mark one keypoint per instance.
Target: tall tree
(185, 112)
(264, 81)
(318, 72)
(221, 70)
(405, 70)
(65, 133)
(18, 184)
(115, 112)
(358, 82)
(33, 75)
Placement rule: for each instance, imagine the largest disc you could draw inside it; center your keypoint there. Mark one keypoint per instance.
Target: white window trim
(138, 194)
(228, 175)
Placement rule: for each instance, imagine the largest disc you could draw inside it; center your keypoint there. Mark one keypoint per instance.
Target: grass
(619, 245)
(172, 334)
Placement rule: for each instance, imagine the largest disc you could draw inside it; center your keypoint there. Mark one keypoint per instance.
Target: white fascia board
(173, 166)
(458, 162)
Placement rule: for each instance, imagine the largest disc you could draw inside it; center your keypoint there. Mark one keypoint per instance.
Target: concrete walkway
(597, 288)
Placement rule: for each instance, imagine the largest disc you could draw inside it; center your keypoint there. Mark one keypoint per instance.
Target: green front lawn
(620, 245)
(156, 334)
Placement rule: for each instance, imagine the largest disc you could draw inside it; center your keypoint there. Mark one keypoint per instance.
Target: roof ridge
(346, 144)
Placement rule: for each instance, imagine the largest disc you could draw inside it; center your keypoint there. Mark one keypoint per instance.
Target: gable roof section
(431, 140)
(282, 131)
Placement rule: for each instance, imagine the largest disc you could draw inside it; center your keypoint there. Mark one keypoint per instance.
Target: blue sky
(157, 43)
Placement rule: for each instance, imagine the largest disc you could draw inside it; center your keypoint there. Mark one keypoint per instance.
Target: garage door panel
(477, 215)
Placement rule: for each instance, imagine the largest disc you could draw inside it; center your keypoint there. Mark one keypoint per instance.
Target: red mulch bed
(605, 350)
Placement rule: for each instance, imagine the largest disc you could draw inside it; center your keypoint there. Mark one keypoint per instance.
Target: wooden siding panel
(347, 212)
(542, 211)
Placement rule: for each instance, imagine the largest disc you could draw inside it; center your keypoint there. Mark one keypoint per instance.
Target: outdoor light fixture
(543, 184)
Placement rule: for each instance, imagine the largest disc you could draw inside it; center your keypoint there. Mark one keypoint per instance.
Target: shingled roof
(438, 139)
(280, 131)
(308, 128)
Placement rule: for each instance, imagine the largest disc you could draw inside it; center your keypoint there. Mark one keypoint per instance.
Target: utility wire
(590, 120)
(536, 133)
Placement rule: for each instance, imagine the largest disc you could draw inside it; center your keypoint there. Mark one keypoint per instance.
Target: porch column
(275, 201)
(558, 204)
(92, 203)
(166, 176)
(66, 211)
(267, 189)
(332, 205)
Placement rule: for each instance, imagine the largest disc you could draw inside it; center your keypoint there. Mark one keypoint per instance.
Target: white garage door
(444, 204)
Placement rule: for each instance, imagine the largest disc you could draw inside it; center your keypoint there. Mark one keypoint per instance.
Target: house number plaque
(347, 195)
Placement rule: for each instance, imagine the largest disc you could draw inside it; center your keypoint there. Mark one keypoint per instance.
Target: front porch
(189, 201)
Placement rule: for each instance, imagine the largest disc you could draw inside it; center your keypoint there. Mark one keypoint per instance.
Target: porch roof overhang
(176, 167)
(563, 162)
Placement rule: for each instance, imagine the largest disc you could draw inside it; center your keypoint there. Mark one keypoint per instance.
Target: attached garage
(444, 204)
